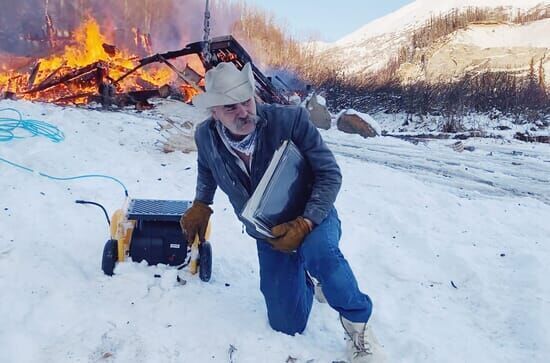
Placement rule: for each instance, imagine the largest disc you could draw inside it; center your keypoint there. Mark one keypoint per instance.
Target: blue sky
(324, 19)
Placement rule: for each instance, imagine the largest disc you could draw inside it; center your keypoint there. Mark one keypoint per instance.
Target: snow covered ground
(452, 247)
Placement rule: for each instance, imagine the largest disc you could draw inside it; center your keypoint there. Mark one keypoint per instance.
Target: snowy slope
(415, 218)
(416, 13)
(534, 34)
(483, 47)
(372, 46)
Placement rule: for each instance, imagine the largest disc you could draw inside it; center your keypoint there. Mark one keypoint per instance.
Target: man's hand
(289, 235)
(195, 220)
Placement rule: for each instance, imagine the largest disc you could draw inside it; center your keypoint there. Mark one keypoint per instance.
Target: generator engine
(149, 229)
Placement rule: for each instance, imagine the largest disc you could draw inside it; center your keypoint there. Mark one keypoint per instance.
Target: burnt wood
(66, 78)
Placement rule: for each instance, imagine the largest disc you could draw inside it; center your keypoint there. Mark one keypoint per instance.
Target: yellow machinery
(149, 229)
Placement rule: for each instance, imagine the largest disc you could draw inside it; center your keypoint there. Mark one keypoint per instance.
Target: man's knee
(288, 307)
(283, 322)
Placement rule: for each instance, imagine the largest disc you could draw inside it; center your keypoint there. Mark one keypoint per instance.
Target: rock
(318, 113)
(353, 122)
(294, 99)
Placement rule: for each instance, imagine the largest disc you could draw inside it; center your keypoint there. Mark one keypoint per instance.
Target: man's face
(238, 118)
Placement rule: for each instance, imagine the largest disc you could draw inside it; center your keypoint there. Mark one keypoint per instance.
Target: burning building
(67, 56)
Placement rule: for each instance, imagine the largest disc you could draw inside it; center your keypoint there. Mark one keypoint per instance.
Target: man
(235, 146)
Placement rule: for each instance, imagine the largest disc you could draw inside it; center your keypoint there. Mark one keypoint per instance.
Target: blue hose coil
(10, 125)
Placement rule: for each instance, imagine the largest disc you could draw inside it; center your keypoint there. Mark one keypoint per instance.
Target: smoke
(171, 23)
(287, 80)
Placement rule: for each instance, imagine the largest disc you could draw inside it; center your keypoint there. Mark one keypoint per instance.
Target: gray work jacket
(217, 166)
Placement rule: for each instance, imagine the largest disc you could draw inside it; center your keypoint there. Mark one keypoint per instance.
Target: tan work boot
(362, 344)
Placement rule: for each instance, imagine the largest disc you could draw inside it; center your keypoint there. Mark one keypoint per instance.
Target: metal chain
(206, 49)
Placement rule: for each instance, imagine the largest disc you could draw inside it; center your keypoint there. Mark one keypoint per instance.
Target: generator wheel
(205, 261)
(110, 253)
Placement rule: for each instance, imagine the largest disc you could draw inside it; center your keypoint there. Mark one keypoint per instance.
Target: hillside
(494, 47)
(417, 12)
(371, 47)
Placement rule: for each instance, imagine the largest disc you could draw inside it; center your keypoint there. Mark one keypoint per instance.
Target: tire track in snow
(501, 171)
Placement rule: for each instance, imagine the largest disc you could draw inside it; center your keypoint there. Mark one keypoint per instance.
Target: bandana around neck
(245, 146)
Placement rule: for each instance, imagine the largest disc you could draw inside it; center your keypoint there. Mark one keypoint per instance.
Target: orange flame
(90, 46)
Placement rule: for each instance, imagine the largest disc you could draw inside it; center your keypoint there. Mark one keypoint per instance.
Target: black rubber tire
(205, 261)
(110, 256)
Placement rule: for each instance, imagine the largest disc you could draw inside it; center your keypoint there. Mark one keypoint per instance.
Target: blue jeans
(287, 290)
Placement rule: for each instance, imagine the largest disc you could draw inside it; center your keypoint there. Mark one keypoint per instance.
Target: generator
(149, 229)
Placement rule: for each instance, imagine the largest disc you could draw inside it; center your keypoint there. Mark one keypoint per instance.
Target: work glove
(195, 220)
(289, 235)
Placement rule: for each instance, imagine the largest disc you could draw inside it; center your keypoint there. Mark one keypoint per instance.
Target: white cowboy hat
(226, 85)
